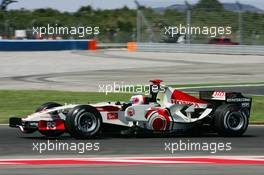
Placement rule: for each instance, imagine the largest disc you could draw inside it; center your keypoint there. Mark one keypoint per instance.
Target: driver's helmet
(138, 99)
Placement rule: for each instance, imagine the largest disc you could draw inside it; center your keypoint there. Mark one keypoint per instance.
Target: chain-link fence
(245, 27)
(143, 25)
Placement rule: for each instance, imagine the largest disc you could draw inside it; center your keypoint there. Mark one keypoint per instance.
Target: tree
(209, 5)
(5, 3)
(86, 9)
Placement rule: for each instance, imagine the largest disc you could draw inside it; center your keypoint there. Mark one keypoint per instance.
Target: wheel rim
(235, 121)
(87, 122)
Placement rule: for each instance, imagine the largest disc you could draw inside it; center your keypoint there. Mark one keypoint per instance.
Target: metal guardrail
(201, 48)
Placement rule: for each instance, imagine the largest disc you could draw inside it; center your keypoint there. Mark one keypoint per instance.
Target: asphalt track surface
(13, 144)
(85, 71)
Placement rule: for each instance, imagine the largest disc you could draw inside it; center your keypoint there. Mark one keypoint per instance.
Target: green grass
(257, 111)
(21, 103)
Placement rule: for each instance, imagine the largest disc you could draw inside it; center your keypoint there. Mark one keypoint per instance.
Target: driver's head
(154, 89)
(138, 99)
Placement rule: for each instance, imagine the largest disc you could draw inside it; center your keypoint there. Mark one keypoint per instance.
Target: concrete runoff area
(86, 70)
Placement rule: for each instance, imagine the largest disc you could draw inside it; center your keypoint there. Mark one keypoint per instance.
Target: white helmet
(138, 99)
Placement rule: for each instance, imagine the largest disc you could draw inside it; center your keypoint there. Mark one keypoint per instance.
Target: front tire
(46, 106)
(230, 120)
(83, 122)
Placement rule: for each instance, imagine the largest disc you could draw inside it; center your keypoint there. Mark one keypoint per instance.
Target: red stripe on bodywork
(165, 114)
(181, 96)
(148, 113)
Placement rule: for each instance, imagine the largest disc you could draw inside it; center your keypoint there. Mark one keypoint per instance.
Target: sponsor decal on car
(130, 112)
(238, 100)
(196, 105)
(112, 116)
(218, 95)
(51, 125)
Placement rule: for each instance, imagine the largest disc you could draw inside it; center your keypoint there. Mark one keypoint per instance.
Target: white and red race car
(164, 110)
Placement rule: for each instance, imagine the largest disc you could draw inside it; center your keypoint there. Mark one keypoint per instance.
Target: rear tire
(230, 120)
(83, 122)
(45, 106)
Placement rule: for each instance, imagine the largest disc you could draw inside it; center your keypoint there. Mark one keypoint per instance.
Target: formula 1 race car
(163, 110)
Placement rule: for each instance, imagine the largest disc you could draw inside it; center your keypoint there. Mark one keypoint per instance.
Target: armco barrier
(201, 48)
(46, 45)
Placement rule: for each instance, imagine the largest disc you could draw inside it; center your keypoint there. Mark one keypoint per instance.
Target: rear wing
(220, 97)
(229, 97)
